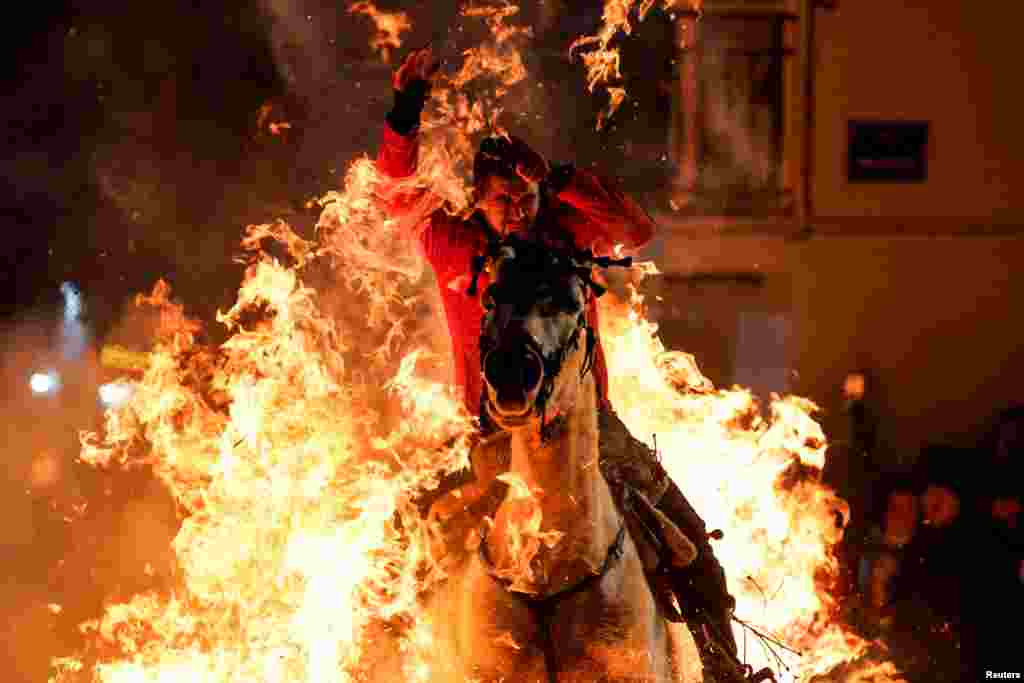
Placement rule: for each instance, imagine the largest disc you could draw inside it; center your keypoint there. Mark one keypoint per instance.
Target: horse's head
(535, 342)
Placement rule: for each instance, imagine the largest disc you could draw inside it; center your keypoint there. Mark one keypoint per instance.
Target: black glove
(404, 116)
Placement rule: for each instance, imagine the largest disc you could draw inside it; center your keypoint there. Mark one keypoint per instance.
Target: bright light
(72, 301)
(44, 382)
(115, 393)
(75, 337)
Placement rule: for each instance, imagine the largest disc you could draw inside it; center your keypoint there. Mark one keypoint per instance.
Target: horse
(555, 591)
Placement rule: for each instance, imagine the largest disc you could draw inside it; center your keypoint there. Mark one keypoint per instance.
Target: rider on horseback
(517, 192)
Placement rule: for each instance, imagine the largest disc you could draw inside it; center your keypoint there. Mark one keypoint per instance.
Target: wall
(947, 62)
(914, 281)
(934, 317)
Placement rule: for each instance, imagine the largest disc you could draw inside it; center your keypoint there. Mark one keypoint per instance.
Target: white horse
(556, 592)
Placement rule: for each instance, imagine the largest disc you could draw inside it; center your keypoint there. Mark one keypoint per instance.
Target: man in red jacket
(517, 191)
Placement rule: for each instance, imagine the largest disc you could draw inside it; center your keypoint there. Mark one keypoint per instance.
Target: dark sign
(888, 151)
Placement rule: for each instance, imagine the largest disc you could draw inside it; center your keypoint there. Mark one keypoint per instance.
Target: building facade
(846, 198)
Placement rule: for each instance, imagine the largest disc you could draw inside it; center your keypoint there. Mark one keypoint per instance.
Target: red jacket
(589, 208)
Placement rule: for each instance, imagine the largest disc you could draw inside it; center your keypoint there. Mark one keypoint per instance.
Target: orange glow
(390, 27)
(751, 475)
(294, 448)
(45, 469)
(524, 536)
(265, 116)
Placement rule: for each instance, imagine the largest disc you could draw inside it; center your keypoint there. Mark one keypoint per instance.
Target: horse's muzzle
(513, 377)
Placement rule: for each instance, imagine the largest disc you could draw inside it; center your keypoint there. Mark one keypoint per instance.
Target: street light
(44, 382)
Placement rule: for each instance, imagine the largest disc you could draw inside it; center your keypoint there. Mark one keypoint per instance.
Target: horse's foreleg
(483, 633)
(616, 632)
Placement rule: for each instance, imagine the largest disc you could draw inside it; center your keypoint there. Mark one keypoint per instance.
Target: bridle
(575, 261)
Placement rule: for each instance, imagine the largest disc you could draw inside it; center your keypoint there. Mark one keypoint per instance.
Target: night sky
(134, 150)
(127, 126)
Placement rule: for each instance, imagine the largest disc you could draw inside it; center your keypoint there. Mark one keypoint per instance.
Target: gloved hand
(411, 82)
(418, 65)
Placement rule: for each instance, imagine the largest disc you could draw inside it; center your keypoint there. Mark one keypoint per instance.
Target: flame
(523, 535)
(390, 27)
(495, 16)
(467, 104)
(264, 116)
(753, 476)
(294, 447)
(617, 96)
(602, 61)
(280, 449)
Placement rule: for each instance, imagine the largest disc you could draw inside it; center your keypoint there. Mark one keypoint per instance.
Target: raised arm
(446, 241)
(399, 149)
(611, 216)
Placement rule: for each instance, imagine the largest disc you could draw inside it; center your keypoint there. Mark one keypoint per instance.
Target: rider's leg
(701, 586)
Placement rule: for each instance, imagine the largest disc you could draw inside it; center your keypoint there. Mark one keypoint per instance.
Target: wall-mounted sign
(888, 151)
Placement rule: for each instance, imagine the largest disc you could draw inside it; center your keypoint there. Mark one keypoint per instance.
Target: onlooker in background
(914, 549)
(858, 463)
(886, 541)
(1001, 484)
(853, 463)
(913, 568)
(936, 559)
(1000, 549)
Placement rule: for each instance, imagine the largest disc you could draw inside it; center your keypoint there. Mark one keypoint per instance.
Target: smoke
(739, 123)
(75, 335)
(301, 36)
(55, 572)
(741, 145)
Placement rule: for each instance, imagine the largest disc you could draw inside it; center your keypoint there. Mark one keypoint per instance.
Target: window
(728, 127)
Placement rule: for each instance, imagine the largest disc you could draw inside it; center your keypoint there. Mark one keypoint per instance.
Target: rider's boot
(704, 601)
(700, 586)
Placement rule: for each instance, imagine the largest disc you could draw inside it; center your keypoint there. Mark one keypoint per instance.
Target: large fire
(293, 450)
